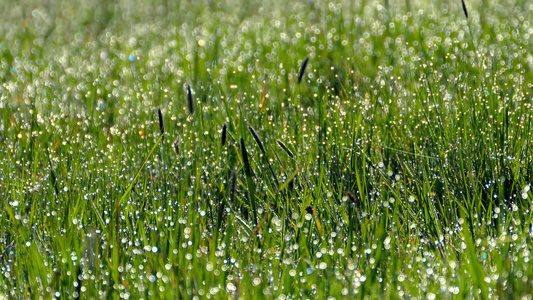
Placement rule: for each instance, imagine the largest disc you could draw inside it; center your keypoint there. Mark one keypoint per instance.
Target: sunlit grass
(266, 150)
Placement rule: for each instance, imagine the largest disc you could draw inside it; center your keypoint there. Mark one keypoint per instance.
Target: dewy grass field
(180, 149)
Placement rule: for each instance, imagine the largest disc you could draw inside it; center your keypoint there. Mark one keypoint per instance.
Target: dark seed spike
(302, 69)
(247, 167)
(257, 140)
(464, 8)
(161, 125)
(280, 143)
(189, 99)
(224, 132)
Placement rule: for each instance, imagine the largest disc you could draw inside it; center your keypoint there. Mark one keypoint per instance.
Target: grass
(242, 149)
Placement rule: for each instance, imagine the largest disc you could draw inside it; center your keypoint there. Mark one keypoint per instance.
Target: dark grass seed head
(224, 133)
(282, 146)
(257, 140)
(247, 167)
(189, 99)
(161, 125)
(464, 8)
(302, 69)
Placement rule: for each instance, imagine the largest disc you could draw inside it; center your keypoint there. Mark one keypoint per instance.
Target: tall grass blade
(286, 183)
(130, 187)
(233, 186)
(53, 178)
(99, 217)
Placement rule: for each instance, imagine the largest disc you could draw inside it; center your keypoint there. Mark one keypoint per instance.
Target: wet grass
(237, 149)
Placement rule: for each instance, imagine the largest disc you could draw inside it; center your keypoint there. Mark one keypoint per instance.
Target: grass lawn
(266, 149)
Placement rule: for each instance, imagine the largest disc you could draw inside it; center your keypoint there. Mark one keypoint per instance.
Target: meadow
(266, 149)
